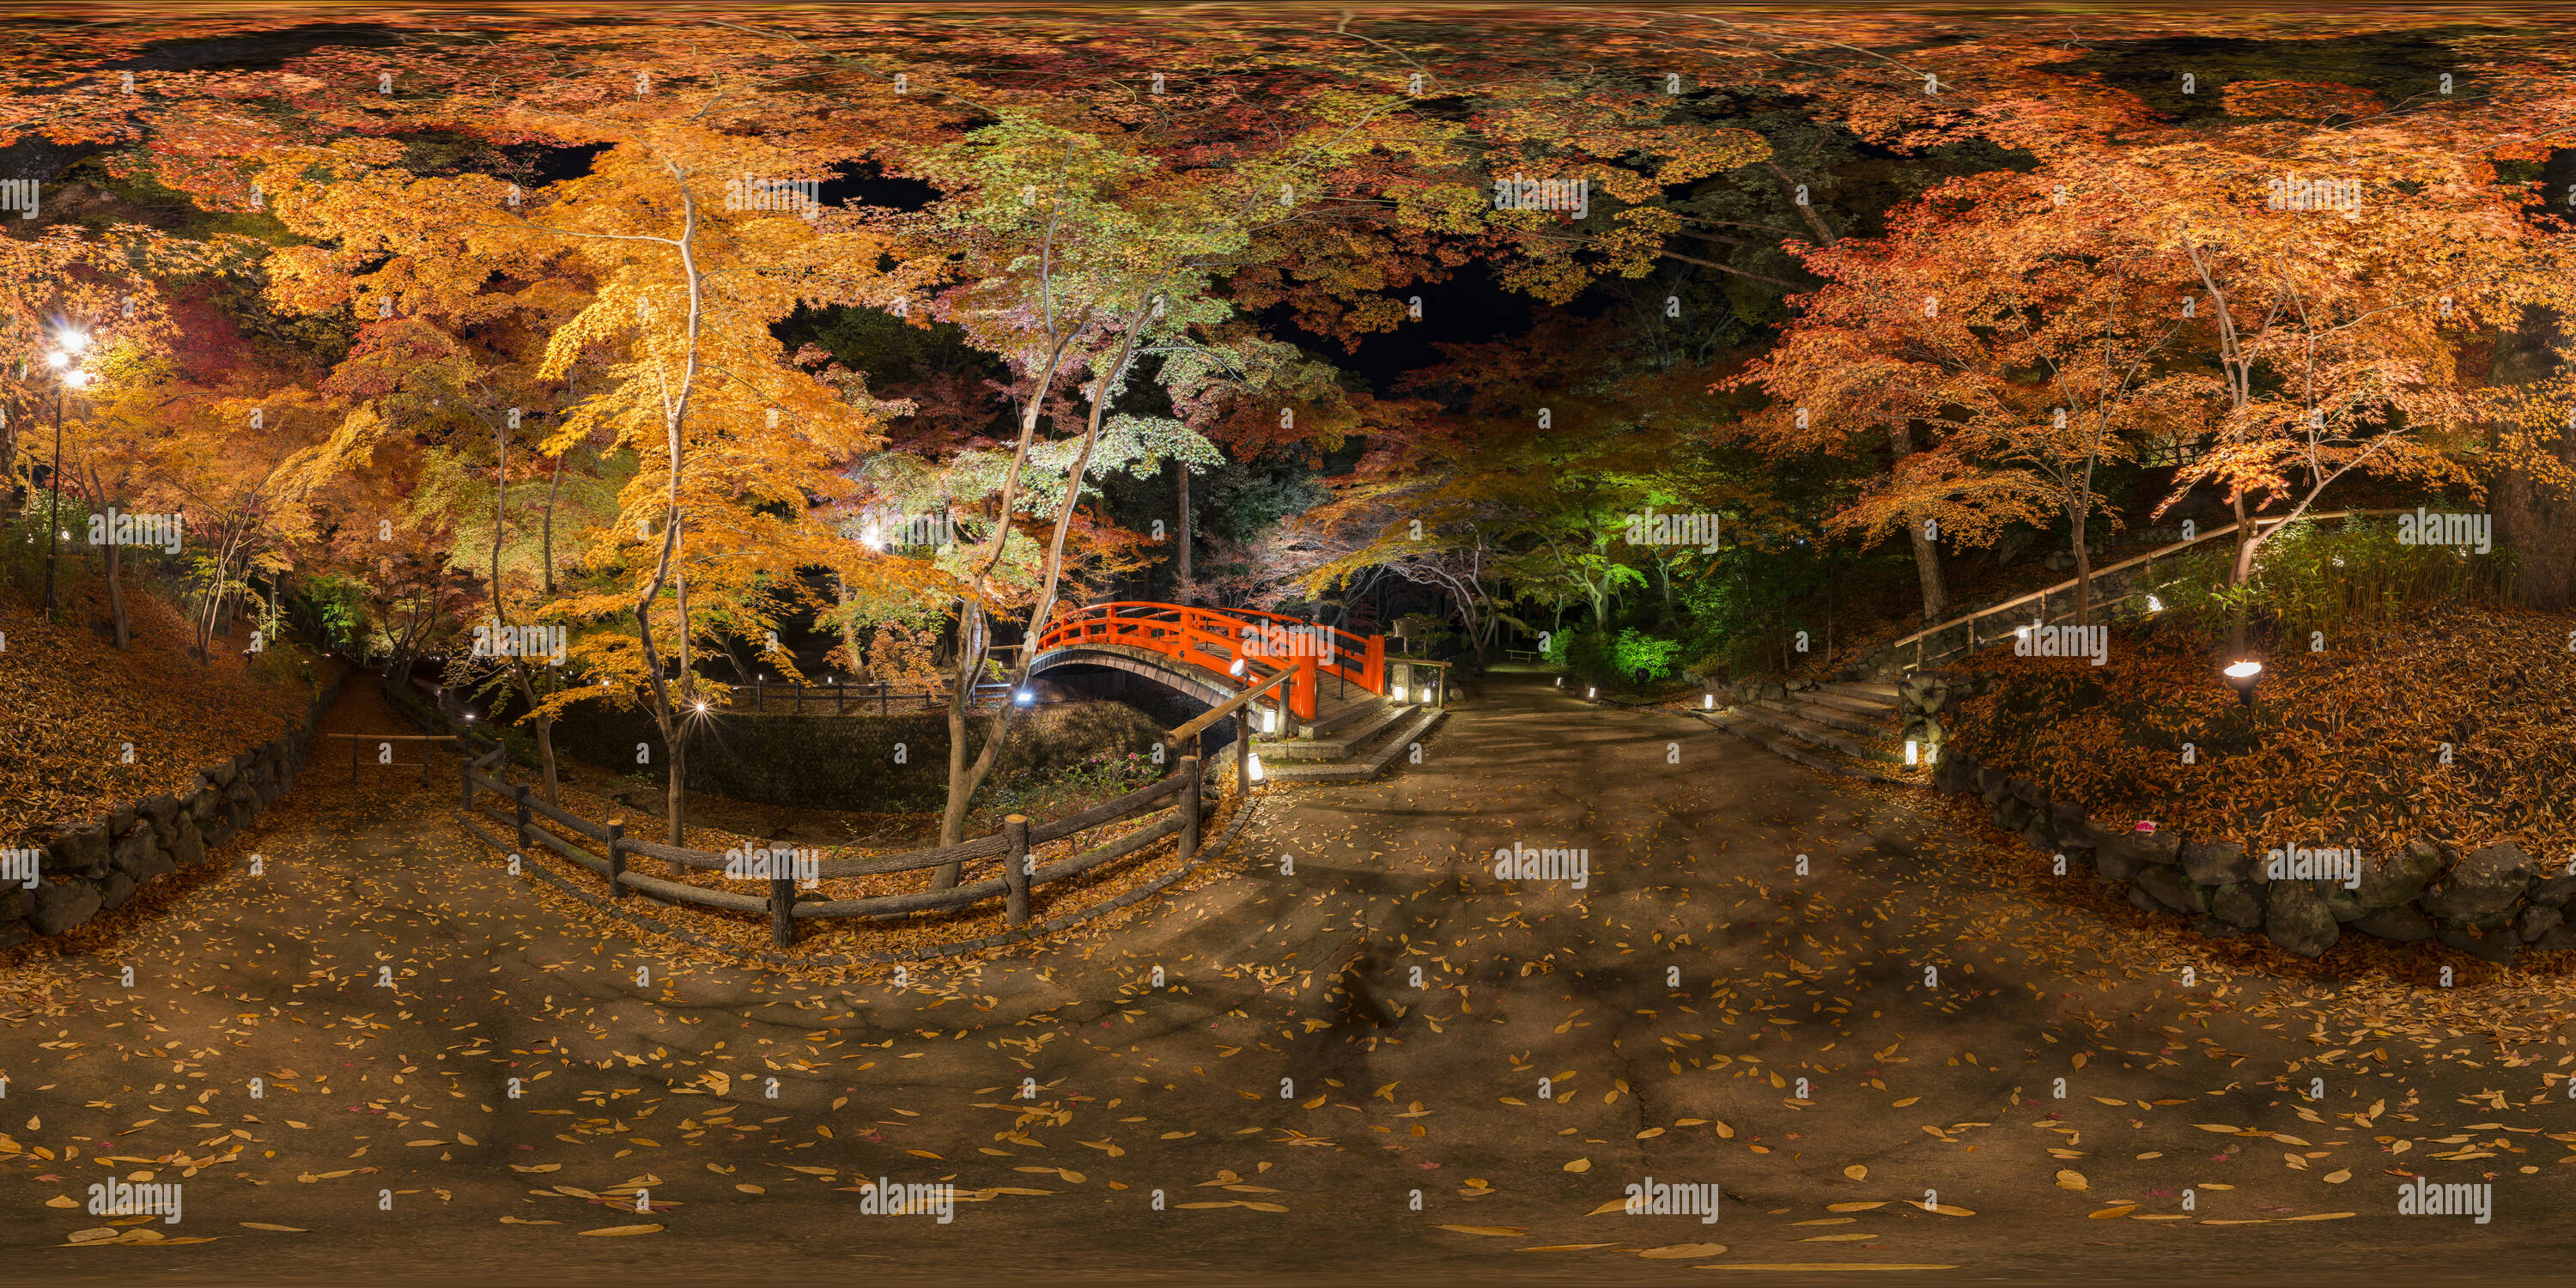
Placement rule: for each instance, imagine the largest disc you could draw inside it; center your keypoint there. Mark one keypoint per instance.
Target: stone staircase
(1850, 728)
(1357, 740)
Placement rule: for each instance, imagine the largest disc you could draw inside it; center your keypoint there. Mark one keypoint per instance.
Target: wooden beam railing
(1178, 797)
(1917, 640)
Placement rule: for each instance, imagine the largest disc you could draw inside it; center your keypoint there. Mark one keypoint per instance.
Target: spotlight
(2155, 605)
(76, 341)
(1590, 692)
(58, 361)
(2243, 677)
(1270, 720)
(76, 379)
(1253, 763)
(1913, 756)
(1026, 697)
(702, 706)
(1707, 701)
(1236, 670)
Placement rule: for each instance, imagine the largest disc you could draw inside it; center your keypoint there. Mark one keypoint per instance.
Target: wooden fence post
(616, 861)
(521, 793)
(782, 911)
(1189, 807)
(1015, 870)
(465, 775)
(1243, 752)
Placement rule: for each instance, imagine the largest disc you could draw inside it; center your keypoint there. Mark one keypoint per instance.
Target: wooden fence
(1180, 798)
(1969, 642)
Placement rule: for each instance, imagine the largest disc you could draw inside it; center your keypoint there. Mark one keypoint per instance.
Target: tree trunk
(1927, 557)
(552, 491)
(1186, 596)
(2083, 568)
(2240, 570)
(116, 595)
(2537, 522)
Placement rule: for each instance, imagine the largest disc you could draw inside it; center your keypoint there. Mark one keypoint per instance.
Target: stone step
(1789, 749)
(1856, 697)
(1816, 734)
(1335, 748)
(1804, 707)
(1367, 765)
(1325, 724)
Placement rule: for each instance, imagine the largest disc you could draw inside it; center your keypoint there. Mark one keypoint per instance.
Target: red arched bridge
(1351, 710)
(1214, 653)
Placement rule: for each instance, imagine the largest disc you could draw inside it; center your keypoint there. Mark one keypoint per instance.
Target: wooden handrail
(781, 903)
(2070, 583)
(1193, 728)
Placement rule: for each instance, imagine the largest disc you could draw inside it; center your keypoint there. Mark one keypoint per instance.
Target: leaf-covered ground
(71, 703)
(1288, 1085)
(2454, 724)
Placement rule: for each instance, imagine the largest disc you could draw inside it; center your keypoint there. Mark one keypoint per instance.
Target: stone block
(2405, 924)
(2482, 883)
(60, 907)
(2295, 917)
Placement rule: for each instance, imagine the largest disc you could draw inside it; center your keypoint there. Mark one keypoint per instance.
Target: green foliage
(1077, 787)
(1655, 655)
(1560, 645)
(335, 607)
(22, 547)
(2326, 577)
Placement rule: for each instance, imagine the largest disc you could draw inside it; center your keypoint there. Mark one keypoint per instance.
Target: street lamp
(2242, 677)
(72, 342)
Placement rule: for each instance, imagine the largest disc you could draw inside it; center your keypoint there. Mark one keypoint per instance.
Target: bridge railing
(1180, 798)
(1245, 645)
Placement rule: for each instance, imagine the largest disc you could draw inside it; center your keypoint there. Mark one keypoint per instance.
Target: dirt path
(1561, 1044)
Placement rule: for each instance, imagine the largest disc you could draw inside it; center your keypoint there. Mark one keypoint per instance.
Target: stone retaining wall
(2485, 902)
(95, 866)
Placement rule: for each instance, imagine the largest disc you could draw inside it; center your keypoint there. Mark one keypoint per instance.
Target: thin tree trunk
(2240, 571)
(952, 825)
(552, 490)
(1927, 556)
(116, 595)
(1186, 596)
(2083, 568)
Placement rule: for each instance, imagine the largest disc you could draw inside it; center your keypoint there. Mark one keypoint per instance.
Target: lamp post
(60, 360)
